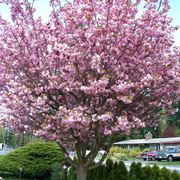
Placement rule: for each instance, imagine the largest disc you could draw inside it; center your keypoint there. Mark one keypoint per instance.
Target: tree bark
(81, 172)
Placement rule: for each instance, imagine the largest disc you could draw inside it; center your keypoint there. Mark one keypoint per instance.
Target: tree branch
(69, 160)
(102, 158)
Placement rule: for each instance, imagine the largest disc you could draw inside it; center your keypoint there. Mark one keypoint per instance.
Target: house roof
(151, 141)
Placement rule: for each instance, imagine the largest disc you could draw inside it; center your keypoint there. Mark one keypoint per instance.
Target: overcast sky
(44, 10)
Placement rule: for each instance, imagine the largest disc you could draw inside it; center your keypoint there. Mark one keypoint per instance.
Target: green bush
(118, 171)
(91, 174)
(115, 150)
(35, 159)
(166, 174)
(122, 172)
(135, 172)
(145, 150)
(110, 171)
(147, 173)
(135, 152)
(156, 172)
(58, 172)
(99, 173)
(72, 173)
(175, 175)
(119, 153)
(119, 157)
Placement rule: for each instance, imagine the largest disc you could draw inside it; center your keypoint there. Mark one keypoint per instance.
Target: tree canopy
(97, 67)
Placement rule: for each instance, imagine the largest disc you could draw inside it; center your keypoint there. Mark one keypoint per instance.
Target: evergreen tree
(166, 174)
(147, 173)
(138, 171)
(109, 164)
(109, 167)
(64, 175)
(99, 171)
(56, 171)
(160, 178)
(72, 174)
(175, 175)
(122, 172)
(2, 135)
(91, 174)
(105, 173)
(132, 172)
(114, 172)
(156, 172)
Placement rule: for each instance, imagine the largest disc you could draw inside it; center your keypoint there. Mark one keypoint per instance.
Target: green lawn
(174, 163)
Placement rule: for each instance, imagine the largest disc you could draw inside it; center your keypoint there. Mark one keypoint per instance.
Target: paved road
(144, 163)
(5, 151)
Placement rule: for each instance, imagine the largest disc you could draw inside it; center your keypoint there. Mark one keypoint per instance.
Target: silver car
(169, 153)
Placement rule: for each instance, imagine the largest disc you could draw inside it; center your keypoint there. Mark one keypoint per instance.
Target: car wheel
(144, 159)
(170, 158)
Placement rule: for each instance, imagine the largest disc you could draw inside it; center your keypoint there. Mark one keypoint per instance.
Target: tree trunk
(81, 172)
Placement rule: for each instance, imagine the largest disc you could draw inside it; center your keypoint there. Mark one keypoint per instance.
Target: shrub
(118, 171)
(58, 172)
(147, 173)
(119, 153)
(139, 170)
(114, 173)
(72, 174)
(166, 174)
(134, 152)
(119, 157)
(156, 172)
(122, 172)
(132, 172)
(115, 150)
(175, 175)
(91, 174)
(145, 150)
(109, 165)
(135, 172)
(35, 159)
(98, 173)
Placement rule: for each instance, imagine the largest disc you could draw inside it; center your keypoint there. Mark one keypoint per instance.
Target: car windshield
(151, 152)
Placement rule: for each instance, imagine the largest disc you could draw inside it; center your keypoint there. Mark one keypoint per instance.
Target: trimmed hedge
(118, 171)
(35, 160)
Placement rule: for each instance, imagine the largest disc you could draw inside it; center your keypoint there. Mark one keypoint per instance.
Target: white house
(148, 142)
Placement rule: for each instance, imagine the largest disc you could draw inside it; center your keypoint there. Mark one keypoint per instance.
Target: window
(178, 150)
(170, 150)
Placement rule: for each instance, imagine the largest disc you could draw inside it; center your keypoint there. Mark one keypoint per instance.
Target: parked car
(169, 153)
(151, 155)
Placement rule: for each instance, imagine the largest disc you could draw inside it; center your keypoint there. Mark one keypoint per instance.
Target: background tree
(94, 69)
(2, 135)
(174, 120)
(169, 124)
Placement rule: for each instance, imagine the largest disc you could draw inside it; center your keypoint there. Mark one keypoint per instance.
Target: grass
(166, 163)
